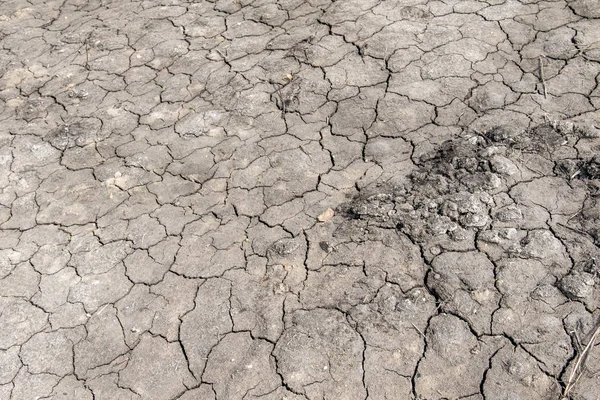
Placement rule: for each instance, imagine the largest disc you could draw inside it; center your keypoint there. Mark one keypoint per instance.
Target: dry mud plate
(299, 199)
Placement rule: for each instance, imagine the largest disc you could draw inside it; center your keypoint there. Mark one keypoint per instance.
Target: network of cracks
(299, 199)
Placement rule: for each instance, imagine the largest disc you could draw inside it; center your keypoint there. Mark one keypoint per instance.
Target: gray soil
(299, 199)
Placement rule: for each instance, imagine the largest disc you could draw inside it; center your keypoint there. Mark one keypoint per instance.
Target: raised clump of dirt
(452, 191)
(507, 223)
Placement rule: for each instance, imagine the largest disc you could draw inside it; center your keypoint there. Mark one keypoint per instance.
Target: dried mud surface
(299, 199)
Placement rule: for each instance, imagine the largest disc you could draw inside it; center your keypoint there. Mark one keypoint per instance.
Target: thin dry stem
(577, 370)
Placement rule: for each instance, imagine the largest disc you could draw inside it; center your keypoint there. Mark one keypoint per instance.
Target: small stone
(326, 215)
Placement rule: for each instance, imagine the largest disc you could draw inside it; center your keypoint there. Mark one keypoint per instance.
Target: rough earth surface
(299, 199)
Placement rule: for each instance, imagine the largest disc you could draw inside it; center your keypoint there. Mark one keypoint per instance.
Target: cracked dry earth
(168, 175)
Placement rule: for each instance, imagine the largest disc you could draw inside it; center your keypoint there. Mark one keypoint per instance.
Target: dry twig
(579, 367)
(418, 330)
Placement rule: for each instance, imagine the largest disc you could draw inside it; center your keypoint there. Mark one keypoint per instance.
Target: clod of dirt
(326, 246)
(447, 195)
(578, 285)
(592, 267)
(591, 168)
(588, 168)
(451, 192)
(31, 109)
(79, 133)
(285, 247)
